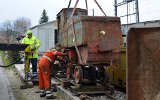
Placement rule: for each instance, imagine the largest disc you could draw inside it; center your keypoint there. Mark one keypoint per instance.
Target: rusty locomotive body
(93, 43)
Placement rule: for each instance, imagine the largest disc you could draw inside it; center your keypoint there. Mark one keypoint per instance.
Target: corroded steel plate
(143, 64)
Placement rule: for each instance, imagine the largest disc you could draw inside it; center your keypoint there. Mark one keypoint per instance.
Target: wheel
(69, 71)
(78, 74)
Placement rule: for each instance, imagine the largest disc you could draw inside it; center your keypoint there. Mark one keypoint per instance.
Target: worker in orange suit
(44, 66)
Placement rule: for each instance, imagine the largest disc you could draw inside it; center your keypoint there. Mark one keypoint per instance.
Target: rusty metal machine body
(143, 67)
(98, 40)
(94, 35)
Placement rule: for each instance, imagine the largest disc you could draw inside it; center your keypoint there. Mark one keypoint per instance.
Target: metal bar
(86, 6)
(121, 3)
(68, 9)
(100, 7)
(74, 38)
(115, 7)
(124, 2)
(74, 9)
(127, 15)
(92, 12)
(69, 3)
(137, 12)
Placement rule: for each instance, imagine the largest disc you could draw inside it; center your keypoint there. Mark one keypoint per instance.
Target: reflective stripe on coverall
(45, 69)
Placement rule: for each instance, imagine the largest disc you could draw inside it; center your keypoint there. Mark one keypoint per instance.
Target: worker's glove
(33, 47)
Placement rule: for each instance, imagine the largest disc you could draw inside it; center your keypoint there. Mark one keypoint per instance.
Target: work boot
(49, 95)
(34, 75)
(42, 93)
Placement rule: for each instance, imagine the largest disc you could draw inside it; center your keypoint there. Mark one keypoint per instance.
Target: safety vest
(32, 41)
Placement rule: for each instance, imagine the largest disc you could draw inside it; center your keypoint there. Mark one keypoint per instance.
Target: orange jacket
(52, 55)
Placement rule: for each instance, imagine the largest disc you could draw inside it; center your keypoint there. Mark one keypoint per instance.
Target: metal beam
(13, 47)
(115, 7)
(137, 12)
(117, 4)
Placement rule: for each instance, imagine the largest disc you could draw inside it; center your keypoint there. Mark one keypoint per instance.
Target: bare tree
(7, 28)
(21, 24)
(14, 28)
(7, 25)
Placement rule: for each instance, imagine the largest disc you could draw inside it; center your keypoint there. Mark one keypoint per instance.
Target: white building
(46, 33)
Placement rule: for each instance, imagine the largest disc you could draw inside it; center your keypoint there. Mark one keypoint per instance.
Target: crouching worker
(44, 66)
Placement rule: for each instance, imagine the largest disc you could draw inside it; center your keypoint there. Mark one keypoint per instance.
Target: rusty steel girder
(143, 64)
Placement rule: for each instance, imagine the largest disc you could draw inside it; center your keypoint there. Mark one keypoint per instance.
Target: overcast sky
(32, 9)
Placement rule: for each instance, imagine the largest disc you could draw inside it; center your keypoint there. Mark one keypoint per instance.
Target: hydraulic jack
(27, 80)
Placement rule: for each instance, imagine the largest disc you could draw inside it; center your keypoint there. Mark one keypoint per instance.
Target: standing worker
(44, 66)
(34, 44)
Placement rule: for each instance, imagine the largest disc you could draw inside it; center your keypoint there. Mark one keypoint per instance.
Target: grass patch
(5, 60)
(12, 74)
(9, 57)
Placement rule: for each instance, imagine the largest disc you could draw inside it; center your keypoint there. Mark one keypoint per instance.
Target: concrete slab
(20, 71)
(65, 93)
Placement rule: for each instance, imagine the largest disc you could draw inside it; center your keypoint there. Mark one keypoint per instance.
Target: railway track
(83, 95)
(117, 95)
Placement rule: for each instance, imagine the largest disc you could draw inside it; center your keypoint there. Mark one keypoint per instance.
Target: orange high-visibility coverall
(44, 66)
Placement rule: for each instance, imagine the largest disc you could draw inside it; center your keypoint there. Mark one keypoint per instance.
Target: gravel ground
(15, 82)
(30, 94)
(22, 94)
(117, 95)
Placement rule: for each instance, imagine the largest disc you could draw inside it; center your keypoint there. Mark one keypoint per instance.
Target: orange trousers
(44, 67)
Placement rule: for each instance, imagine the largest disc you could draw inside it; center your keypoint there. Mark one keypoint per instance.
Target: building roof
(145, 22)
(42, 24)
(70, 9)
